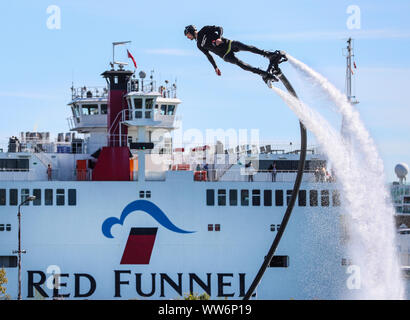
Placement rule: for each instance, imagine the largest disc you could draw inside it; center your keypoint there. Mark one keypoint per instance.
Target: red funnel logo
(139, 246)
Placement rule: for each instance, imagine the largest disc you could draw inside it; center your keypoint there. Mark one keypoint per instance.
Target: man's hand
(218, 72)
(218, 41)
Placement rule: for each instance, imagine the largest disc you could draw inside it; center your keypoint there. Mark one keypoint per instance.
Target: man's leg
(239, 46)
(232, 59)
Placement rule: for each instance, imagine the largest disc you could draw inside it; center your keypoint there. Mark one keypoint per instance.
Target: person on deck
(49, 172)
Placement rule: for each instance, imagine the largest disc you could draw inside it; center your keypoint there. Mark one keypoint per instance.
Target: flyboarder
(209, 38)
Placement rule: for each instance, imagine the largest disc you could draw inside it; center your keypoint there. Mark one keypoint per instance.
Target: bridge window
(149, 103)
(138, 107)
(104, 108)
(167, 110)
(76, 110)
(163, 109)
(170, 110)
(137, 103)
(89, 109)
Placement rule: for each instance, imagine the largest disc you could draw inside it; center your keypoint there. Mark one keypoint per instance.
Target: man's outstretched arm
(212, 61)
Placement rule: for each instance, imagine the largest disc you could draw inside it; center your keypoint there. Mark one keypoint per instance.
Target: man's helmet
(190, 29)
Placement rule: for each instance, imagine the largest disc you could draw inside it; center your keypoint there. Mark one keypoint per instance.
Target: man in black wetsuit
(209, 38)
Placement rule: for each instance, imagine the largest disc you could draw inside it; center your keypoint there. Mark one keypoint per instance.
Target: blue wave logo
(145, 206)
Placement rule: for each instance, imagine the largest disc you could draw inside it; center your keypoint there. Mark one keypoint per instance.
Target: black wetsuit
(206, 42)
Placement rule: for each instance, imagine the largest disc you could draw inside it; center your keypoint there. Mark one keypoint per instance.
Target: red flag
(132, 58)
(354, 64)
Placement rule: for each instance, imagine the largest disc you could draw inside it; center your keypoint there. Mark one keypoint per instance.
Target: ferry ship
(115, 209)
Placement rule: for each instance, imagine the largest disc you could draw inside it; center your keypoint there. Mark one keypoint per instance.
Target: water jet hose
(292, 200)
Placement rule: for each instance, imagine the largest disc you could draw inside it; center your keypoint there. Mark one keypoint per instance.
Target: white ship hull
(69, 240)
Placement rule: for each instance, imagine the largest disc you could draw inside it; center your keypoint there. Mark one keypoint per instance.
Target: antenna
(114, 44)
(350, 97)
(349, 72)
(152, 80)
(142, 76)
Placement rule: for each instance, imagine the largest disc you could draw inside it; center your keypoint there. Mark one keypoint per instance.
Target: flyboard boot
(275, 58)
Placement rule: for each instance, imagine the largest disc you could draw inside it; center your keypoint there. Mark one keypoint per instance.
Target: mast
(350, 97)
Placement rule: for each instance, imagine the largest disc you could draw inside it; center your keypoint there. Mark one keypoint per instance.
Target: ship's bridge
(150, 107)
(89, 109)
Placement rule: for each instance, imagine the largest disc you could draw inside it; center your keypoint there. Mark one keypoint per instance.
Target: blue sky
(39, 64)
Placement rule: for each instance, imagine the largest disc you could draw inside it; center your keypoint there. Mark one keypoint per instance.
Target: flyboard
(273, 68)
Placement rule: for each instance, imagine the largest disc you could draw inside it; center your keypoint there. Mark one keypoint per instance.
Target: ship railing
(139, 85)
(117, 140)
(71, 122)
(82, 175)
(42, 175)
(89, 92)
(237, 175)
(124, 115)
(168, 91)
(17, 175)
(33, 147)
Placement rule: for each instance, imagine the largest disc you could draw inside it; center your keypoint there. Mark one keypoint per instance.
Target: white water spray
(354, 124)
(371, 241)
